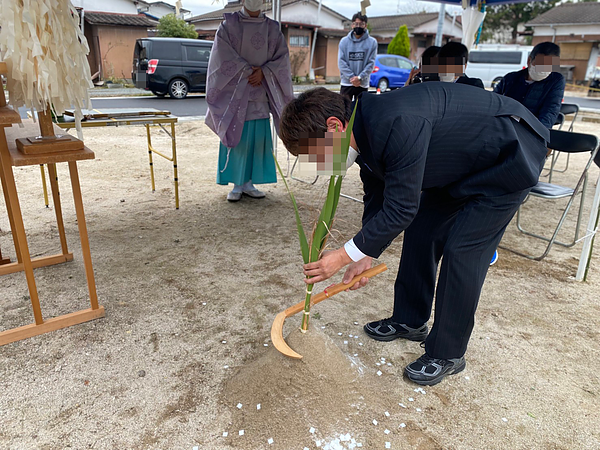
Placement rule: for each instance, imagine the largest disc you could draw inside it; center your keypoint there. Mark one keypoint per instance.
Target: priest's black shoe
(389, 329)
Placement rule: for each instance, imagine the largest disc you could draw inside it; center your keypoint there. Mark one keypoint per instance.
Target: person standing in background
(249, 76)
(356, 58)
(539, 87)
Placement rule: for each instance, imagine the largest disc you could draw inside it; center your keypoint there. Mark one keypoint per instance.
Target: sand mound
(315, 402)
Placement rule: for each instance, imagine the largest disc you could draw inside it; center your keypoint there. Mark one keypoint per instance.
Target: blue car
(390, 71)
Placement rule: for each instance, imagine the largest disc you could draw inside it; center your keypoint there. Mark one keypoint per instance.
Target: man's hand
(355, 81)
(329, 264)
(256, 77)
(356, 269)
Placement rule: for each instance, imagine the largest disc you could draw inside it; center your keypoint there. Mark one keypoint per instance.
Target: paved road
(193, 105)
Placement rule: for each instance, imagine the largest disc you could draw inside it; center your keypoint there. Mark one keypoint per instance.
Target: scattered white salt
(318, 443)
(467, 378)
(387, 414)
(266, 345)
(377, 364)
(322, 328)
(386, 431)
(339, 334)
(356, 354)
(345, 437)
(270, 441)
(421, 390)
(350, 335)
(375, 422)
(403, 425)
(355, 323)
(306, 448)
(411, 399)
(312, 430)
(223, 342)
(258, 407)
(504, 419)
(389, 364)
(402, 404)
(360, 343)
(487, 337)
(241, 432)
(225, 434)
(346, 342)
(195, 447)
(225, 367)
(388, 445)
(382, 359)
(204, 303)
(418, 410)
(239, 406)
(379, 373)
(358, 444)
(355, 337)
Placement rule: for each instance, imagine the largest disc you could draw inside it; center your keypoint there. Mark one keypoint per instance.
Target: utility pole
(440, 27)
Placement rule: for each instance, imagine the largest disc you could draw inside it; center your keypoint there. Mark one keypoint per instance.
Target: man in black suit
(447, 164)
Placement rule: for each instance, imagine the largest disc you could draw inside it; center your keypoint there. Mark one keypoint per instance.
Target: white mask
(447, 77)
(352, 155)
(253, 5)
(537, 76)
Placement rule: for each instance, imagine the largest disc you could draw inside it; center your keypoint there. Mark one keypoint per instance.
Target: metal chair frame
(565, 109)
(560, 141)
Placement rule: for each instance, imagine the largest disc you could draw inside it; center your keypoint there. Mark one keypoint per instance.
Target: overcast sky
(345, 7)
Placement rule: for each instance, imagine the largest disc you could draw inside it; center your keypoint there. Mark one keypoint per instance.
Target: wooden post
(46, 125)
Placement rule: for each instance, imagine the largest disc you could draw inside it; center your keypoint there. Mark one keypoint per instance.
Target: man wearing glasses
(356, 58)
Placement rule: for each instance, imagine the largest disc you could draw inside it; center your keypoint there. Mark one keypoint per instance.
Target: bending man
(447, 164)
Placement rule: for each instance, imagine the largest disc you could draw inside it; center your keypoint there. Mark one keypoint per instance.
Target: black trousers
(352, 92)
(463, 233)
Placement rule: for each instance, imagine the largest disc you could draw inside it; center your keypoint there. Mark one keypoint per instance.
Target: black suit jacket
(470, 81)
(439, 135)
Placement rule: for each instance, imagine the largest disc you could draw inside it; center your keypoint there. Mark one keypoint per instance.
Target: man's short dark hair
(308, 114)
(454, 50)
(545, 48)
(430, 52)
(360, 17)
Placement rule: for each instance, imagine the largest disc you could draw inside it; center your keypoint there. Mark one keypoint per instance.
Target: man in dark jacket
(539, 87)
(452, 59)
(447, 164)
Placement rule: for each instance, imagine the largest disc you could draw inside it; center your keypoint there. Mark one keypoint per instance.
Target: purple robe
(240, 43)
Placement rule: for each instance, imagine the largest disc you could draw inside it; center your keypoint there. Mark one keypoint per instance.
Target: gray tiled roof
(133, 20)
(235, 6)
(569, 13)
(385, 23)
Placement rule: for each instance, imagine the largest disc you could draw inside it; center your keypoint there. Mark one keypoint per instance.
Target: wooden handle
(335, 289)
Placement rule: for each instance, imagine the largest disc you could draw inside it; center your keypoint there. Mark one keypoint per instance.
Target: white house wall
(307, 14)
(110, 6)
(431, 28)
(567, 30)
(159, 10)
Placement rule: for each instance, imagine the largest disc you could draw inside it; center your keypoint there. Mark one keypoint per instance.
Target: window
(495, 57)
(404, 64)
(197, 54)
(165, 50)
(387, 61)
(298, 41)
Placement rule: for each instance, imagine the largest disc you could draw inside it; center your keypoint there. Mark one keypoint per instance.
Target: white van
(491, 62)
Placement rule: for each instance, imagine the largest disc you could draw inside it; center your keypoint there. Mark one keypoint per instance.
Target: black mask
(359, 31)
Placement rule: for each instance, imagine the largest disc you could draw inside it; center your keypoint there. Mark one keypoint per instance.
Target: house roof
(161, 3)
(392, 23)
(569, 14)
(132, 20)
(236, 5)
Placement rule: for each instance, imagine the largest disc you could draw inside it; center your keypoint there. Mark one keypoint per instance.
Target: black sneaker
(389, 329)
(428, 371)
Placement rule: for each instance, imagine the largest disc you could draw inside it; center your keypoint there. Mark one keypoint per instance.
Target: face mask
(447, 77)
(352, 155)
(537, 76)
(253, 5)
(359, 31)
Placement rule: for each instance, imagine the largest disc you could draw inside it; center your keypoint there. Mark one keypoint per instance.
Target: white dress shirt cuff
(353, 252)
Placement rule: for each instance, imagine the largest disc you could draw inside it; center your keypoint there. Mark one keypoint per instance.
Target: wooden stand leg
(83, 235)
(3, 260)
(150, 157)
(19, 228)
(57, 207)
(175, 175)
(44, 187)
(9, 210)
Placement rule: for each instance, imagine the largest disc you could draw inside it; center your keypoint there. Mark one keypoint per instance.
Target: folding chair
(562, 141)
(565, 109)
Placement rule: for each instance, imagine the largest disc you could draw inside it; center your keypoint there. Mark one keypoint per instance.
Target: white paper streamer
(45, 52)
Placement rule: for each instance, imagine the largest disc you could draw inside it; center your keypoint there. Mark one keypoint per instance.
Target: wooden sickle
(277, 327)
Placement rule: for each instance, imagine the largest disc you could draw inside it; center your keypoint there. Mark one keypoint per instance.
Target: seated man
(422, 73)
(452, 59)
(539, 87)
(447, 164)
